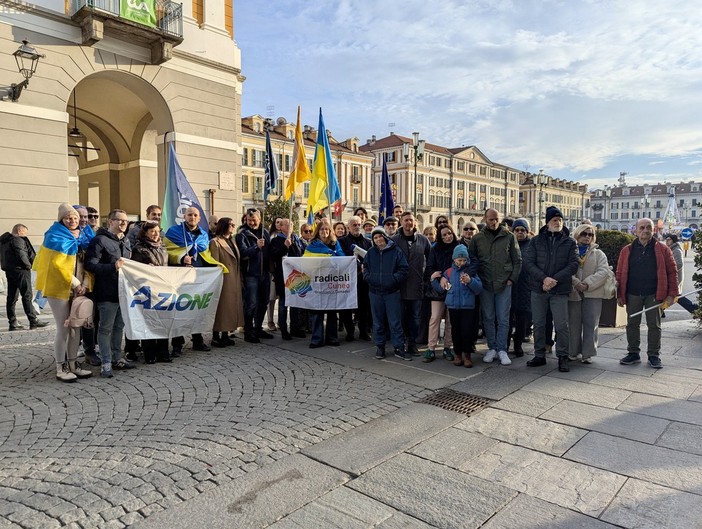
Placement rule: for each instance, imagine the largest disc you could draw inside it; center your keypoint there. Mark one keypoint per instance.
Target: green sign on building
(140, 11)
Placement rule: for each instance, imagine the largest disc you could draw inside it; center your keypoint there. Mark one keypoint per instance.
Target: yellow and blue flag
(324, 187)
(55, 263)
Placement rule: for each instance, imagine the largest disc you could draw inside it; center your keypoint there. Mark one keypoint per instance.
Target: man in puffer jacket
(384, 269)
(551, 260)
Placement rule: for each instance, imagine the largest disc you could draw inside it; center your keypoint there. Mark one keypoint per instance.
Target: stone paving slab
(498, 382)
(544, 436)
(606, 420)
(683, 437)
(643, 505)
(453, 447)
(364, 447)
(528, 512)
(668, 387)
(343, 508)
(526, 403)
(664, 407)
(697, 395)
(429, 491)
(255, 500)
(656, 464)
(680, 374)
(568, 484)
(578, 391)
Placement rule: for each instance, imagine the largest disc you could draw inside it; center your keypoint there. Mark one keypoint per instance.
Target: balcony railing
(169, 15)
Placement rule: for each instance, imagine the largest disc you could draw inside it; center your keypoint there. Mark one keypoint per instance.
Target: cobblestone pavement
(109, 452)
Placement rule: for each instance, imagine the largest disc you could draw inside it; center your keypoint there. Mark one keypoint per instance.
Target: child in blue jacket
(461, 289)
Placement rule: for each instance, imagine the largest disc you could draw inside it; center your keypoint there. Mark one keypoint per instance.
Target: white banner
(164, 302)
(320, 283)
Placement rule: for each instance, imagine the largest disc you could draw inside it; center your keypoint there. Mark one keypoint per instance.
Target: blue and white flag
(179, 195)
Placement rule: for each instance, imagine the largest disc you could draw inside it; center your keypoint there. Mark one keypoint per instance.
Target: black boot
(536, 361)
(563, 364)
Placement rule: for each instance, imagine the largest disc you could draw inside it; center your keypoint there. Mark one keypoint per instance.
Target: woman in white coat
(585, 301)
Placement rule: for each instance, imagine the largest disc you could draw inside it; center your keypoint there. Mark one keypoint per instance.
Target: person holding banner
(324, 244)
(149, 249)
(188, 244)
(356, 239)
(230, 312)
(286, 244)
(61, 278)
(385, 269)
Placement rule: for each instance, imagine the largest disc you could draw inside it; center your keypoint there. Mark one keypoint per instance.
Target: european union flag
(271, 169)
(387, 201)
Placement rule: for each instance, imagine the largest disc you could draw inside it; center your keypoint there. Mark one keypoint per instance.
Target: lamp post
(418, 154)
(27, 60)
(608, 205)
(539, 182)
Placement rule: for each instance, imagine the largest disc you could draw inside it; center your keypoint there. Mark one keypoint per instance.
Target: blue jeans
(110, 332)
(257, 290)
(387, 306)
(411, 313)
(495, 307)
(558, 303)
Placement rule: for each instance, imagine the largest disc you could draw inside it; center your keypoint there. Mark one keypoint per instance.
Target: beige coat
(230, 311)
(593, 272)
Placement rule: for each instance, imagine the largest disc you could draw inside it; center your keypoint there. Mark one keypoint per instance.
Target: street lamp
(27, 60)
(539, 183)
(418, 154)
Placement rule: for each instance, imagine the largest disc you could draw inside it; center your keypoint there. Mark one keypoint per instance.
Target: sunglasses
(306, 231)
(468, 229)
(93, 216)
(587, 234)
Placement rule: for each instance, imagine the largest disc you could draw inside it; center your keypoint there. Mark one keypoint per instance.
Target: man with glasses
(93, 218)
(356, 238)
(105, 256)
(499, 264)
(647, 276)
(551, 261)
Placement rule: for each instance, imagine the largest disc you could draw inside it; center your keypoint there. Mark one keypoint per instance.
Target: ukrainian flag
(55, 263)
(324, 187)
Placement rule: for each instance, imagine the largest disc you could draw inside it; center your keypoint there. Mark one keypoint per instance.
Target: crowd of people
(498, 279)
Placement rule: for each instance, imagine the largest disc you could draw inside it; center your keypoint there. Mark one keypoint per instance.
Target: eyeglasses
(96, 216)
(306, 231)
(468, 229)
(121, 221)
(587, 234)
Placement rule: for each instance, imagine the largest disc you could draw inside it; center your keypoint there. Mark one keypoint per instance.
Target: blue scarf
(319, 249)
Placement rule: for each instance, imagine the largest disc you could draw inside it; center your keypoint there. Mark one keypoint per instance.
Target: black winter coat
(278, 250)
(100, 259)
(521, 293)
(17, 252)
(552, 254)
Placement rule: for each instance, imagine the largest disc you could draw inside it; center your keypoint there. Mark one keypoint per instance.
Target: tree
(279, 208)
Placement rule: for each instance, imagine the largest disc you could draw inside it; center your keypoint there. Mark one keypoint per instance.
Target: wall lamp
(27, 59)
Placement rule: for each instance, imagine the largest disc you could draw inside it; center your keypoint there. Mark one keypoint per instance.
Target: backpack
(81, 313)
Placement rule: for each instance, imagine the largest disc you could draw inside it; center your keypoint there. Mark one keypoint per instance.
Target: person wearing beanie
(520, 312)
(551, 261)
(390, 224)
(441, 256)
(60, 278)
(385, 268)
(461, 287)
(499, 263)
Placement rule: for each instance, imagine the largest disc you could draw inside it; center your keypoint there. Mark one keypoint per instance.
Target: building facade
(353, 168)
(670, 206)
(107, 97)
(538, 191)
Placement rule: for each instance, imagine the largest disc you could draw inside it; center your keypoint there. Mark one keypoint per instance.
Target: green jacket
(498, 256)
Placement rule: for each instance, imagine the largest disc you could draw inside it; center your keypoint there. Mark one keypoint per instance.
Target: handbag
(610, 285)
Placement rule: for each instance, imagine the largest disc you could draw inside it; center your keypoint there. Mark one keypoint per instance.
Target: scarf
(55, 262)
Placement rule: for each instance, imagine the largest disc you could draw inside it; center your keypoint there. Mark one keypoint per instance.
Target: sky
(581, 89)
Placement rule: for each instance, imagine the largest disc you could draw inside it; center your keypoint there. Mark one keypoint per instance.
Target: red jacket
(666, 270)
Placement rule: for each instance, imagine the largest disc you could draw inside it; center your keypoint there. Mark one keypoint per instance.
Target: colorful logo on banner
(298, 283)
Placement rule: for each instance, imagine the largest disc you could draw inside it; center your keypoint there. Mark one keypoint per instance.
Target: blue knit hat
(460, 251)
(522, 222)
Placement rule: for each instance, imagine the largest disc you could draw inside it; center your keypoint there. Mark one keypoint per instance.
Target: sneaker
(399, 353)
(631, 358)
(106, 373)
(655, 362)
(428, 356)
(272, 327)
(92, 358)
(123, 364)
(63, 373)
(38, 324)
(379, 353)
(573, 358)
(504, 358)
(489, 356)
(77, 369)
(587, 360)
(448, 354)
(412, 350)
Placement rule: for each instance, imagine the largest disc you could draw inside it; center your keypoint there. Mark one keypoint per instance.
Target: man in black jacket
(551, 260)
(17, 258)
(356, 238)
(286, 244)
(105, 256)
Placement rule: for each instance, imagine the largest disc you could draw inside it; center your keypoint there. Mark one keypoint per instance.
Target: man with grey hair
(17, 255)
(357, 239)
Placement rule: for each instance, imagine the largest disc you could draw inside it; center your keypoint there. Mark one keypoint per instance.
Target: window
(287, 162)
(471, 168)
(279, 161)
(306, 190)
(461, 167)
(483, 171)
(245, 157)
(461, 203)
(391, 156)
(245, 183)
(355, 195)
(257, 158)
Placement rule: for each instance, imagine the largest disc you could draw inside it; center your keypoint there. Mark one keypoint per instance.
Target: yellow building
(353, 167)
(108, 94)
(538, 191)
(459, 183)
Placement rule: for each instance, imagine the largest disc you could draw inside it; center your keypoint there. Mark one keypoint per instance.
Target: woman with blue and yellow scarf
(60, 277)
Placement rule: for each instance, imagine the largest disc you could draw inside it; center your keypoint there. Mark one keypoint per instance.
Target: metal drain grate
(451, 400)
